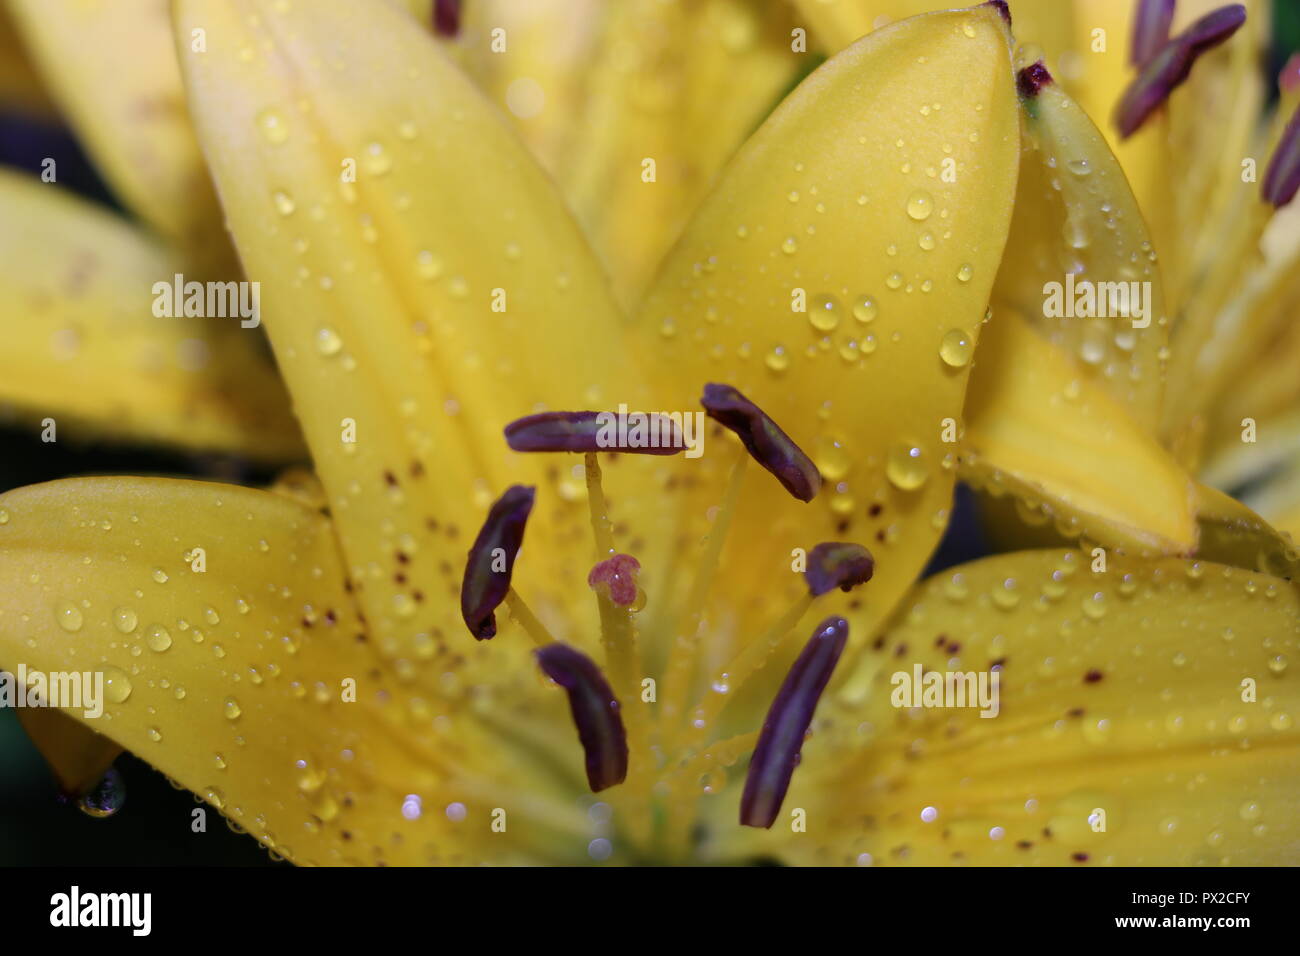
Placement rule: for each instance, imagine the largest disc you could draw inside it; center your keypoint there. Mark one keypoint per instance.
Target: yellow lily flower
(88, 356)
(296, 656)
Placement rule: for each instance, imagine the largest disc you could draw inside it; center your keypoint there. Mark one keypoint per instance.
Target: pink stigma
(616, 576)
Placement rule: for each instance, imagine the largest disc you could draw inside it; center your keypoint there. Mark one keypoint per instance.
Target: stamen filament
(529, 621)
(681, 653)
(600, 523)
(673, 832)
(744, 665)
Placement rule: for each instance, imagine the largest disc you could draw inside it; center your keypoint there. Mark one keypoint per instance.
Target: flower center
(654, 739)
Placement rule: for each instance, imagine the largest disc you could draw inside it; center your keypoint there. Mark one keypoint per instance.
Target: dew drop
(284, 203)
(69, 617)
(376, 161)
(404, 606)
(864, 309)
(778, 360)
(272, 127)
(158, 638)
(231, 709)
(117, 686)
(106, 797)
(831, 459)
(906, 467)
(825, 314)
(956, 348)
(1094, 606)
(965, 272)
(328, 341)
(125, 619)
(790, 246)
(920, 205)
(427, 265)
(1007, 594)
(159, 575)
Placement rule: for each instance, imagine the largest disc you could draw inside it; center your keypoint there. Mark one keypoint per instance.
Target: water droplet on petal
(956, 348)
(272, 127)
(825, 315)
(328, 341)
(69, 617)
(158, 638)
(864, 309)
(778, 360)
(117, 686)
(106, 797)
(919, 205)
(906, 467)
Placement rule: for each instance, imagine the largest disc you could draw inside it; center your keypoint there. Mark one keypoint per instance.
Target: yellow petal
(1096, 73)
(21, 89)
(1040, 429)
(837, 23)
(1235, 348)
(1078, 232)
(77, 755)
(663, 107)
(1121, 735)
(1288, 520)
(1232, 533)
(234, 680)
(1213, 120)
(534, 60)
(85, 349)
(414, 311)
(839, 199)
(620, 101)
(112, 68)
